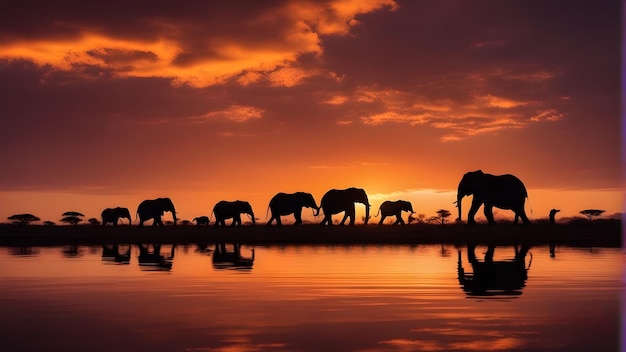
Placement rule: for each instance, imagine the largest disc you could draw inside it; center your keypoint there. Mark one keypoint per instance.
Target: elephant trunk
(174, 215)
(459, 197)
(252, 215)
(317, 211)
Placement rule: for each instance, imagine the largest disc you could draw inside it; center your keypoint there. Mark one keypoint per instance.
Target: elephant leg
(327, 220)
(491, 249)
(516, 218)
(298, 216)
(352, 215)
(234, 222)
(399, 219)
(279, 222)
(471, 253)
(522, 215)
(472, 212)
(488, 210)
(382, 218)
(345, 216)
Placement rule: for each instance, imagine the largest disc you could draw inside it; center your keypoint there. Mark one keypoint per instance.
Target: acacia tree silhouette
(590, 213)
(72, 217)
(23, 219)
(72, 220)
(443, 214)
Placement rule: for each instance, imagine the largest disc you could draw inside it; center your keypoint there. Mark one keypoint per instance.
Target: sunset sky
(105, 104)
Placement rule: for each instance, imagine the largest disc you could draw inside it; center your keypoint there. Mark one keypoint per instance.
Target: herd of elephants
(501, 191)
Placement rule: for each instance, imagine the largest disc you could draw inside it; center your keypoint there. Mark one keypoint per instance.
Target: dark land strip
(600, 234)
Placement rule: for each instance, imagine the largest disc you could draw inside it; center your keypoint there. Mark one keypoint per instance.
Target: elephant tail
(378, 212)
(530, 206)
(211, 216)
(267, 212)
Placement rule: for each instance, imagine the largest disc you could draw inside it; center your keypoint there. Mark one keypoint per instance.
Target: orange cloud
(336, 100)
(499, 102)
(210, 57)
(466, 116)
(391, 116)
(547, 115)
(236, 113)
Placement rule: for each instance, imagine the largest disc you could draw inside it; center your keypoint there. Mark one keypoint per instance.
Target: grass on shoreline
(605, 234)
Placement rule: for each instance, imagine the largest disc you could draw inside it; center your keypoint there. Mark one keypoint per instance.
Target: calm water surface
(310, 298)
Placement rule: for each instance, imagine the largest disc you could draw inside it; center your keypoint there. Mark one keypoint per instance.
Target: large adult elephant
(153, 209)
(231, 210)
(112, 215)
(391, 208)
(291, 203)
(337, 200)
(500, 191)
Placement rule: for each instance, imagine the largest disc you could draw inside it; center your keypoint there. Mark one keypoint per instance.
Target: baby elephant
(201, 220)
(389, 208)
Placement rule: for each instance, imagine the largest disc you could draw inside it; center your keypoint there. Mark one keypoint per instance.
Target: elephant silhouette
(501, 191)
(154, 209)
(112, 215)
(112, 253)
(223, 258)
(492, 278)
(201, 220)
(231, 210)
(342, 200)
(290, 203)
(394, 208)
(153, 259)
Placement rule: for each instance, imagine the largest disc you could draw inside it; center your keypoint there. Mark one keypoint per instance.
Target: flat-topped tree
(590, 213)
(73, 213)
(72, 220)
(72, 217)
(23, 219)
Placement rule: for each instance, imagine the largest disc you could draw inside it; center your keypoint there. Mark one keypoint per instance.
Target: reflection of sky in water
(359, 298)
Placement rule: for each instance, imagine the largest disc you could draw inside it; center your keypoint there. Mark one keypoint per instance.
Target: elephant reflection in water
(112, 253)
(72, 251)
(153, 259)
(231, 259)
(494, 278)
